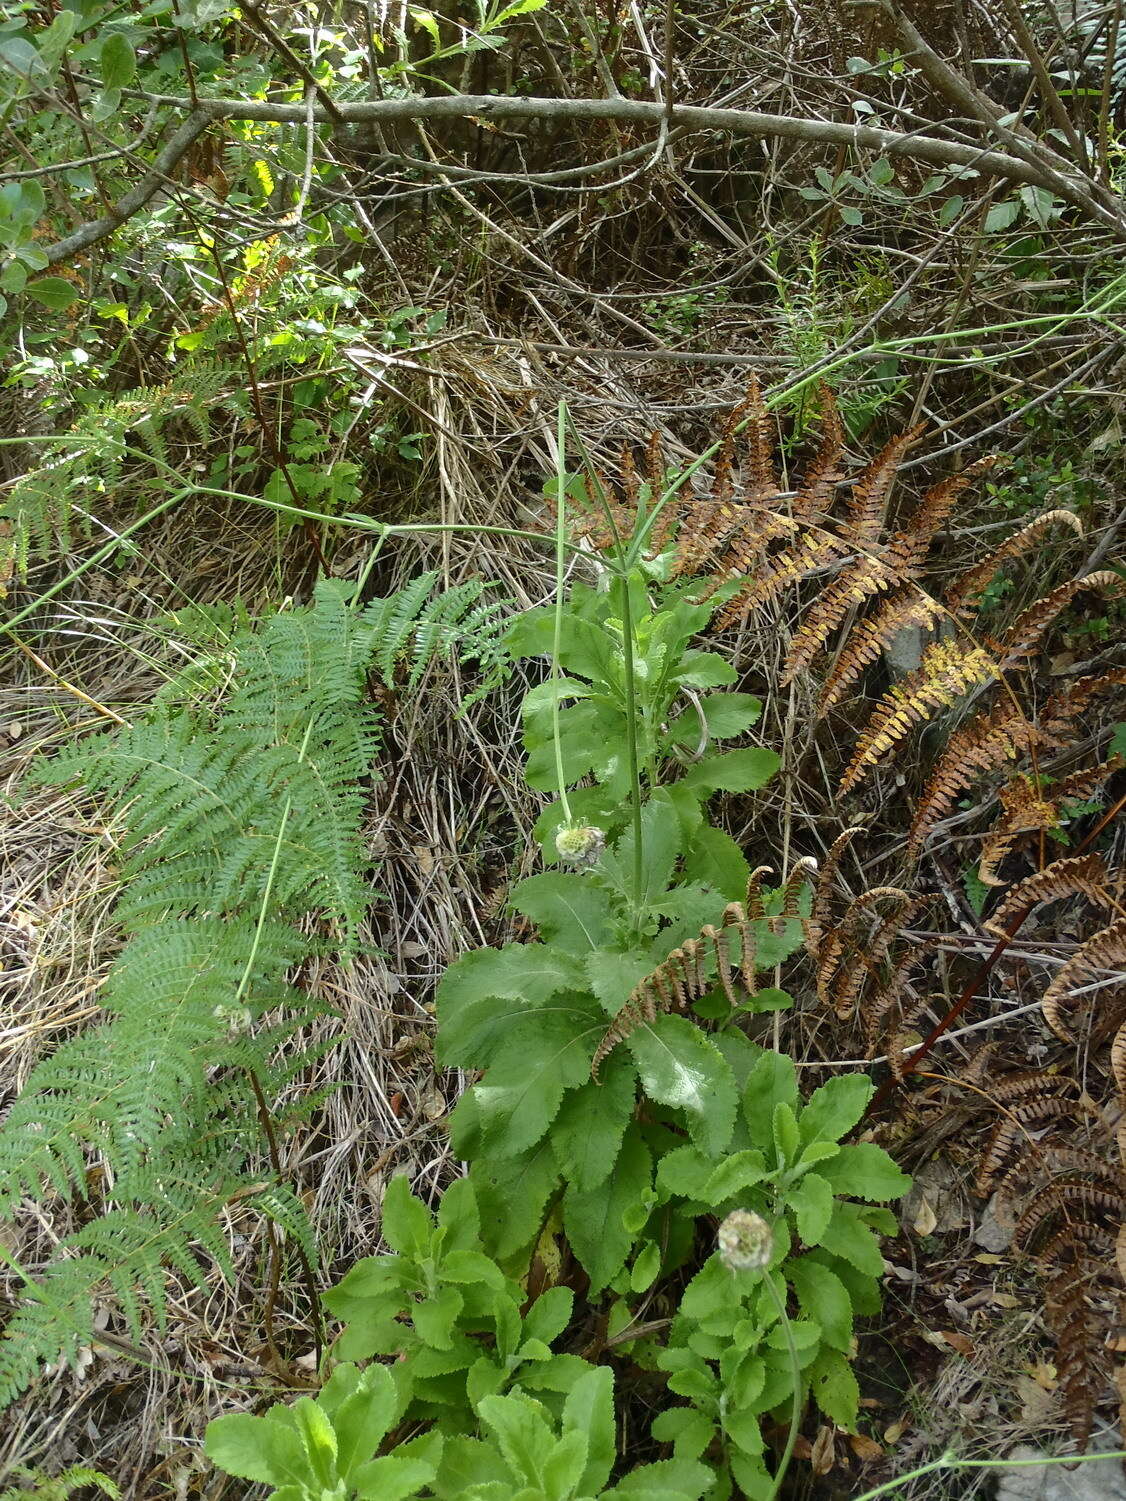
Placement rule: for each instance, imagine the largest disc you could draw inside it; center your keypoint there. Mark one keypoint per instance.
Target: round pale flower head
(580, 844)
(746, 1242)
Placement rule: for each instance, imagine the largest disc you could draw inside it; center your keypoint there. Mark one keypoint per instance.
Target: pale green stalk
(796, 1403)
(560, 579)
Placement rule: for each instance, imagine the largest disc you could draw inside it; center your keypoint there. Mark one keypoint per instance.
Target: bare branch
(930, 149)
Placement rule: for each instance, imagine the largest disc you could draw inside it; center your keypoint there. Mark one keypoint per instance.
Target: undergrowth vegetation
(562, 748)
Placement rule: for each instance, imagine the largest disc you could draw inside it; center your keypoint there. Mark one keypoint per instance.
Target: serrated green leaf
(822, 1297)
(724, 716)
(405, 1223)
(848, 1237)
(733, 771)
(435, 1317)
(593, 1221)
(592, 1120)
(734, 1175)
(714, 859)
(471, 1025)
(391, 1478)
(522, 1432)
(646, 1265)
(811, 1200)
(680, 1068)
(773, 1080)
(835, 1108)
(612, 976)
(784, 1130)
(569, 910)
(589, 1409)
(265, 1449)
(705, 669)
(835, 1389)
(521, 1092)
(865, 1171)
(513, 1195)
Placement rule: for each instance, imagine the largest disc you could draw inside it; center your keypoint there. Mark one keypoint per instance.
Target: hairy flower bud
(580, 844)
(746, 1242)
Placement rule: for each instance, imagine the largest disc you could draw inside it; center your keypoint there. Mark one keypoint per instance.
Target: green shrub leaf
(680, 1068)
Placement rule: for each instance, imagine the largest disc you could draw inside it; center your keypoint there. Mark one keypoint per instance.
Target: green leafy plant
(240, 823)
(768, 1319)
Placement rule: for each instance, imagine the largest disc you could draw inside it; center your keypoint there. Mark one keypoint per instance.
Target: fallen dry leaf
(925, 1218)
(823, 1456)
(959, 1342)
(895, 1431)
(865, 1448)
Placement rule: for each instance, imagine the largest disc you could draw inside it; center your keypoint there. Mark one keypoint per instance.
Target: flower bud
(580, 844)
(746, 1242)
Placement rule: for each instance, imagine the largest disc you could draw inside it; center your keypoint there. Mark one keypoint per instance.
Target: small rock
(998, 1223)
(1091, 1480)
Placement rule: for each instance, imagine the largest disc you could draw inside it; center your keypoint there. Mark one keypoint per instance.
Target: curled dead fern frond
(993, 736)
(1103, 954)
(1081, 875)
(886, 1001)
(973, 580)
(684, 976)
(1026, 635)
(948, 671)
(824, 890)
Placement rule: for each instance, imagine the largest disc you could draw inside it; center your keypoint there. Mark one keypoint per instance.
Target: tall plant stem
(560, 576)
(631, 745)
(796, 1404)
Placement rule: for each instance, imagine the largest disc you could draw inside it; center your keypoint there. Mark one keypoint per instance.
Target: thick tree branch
(164, 164)
(930, 149)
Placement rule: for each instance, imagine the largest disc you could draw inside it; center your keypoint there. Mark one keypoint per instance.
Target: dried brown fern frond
(887, 999)
(682, 977)
(948, 671)
(813, 550)
(824, 890)
(905, 608)
(855, 586)
(1013, 1132)
(815, 497)
(1067, 703)
(862, 961)
(1071, 1199)
(973, 580)
(761, 481)
(1080, 875)
(987, 740)
(1078, 1330)
(866, 505)
(933, 511)
(1102, 954)
(1026, 809)
(1026, 635)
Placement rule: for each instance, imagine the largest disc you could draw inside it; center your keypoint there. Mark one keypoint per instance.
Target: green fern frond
(412, 628)
(239, 822)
